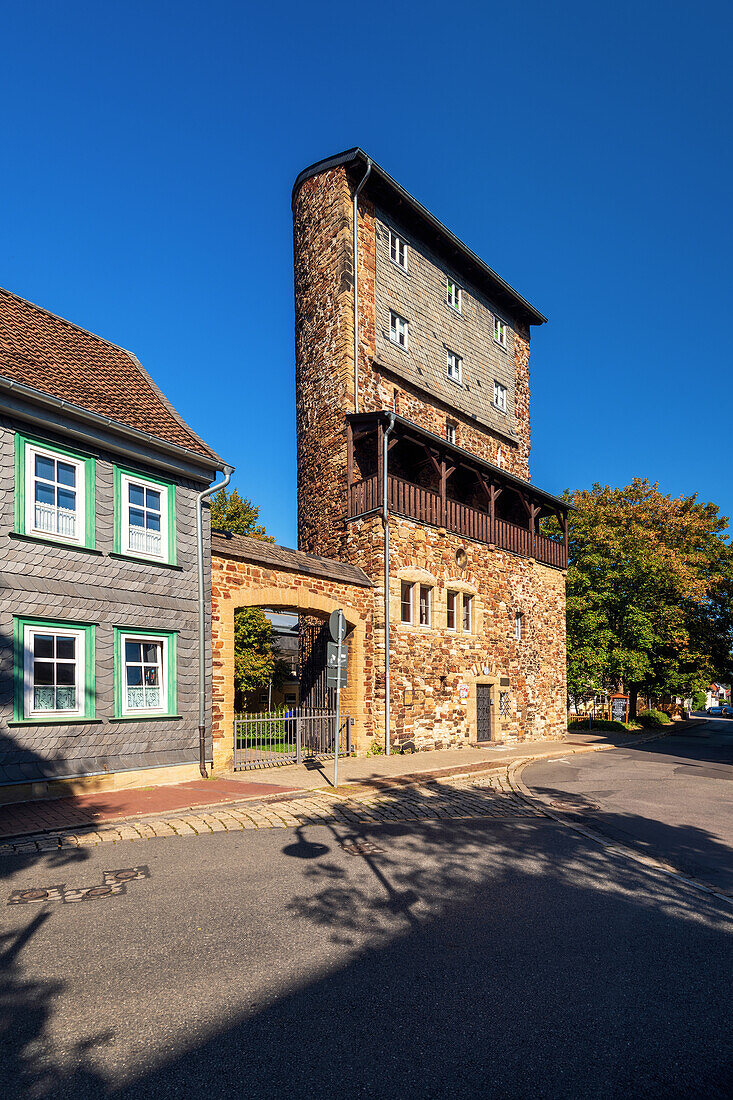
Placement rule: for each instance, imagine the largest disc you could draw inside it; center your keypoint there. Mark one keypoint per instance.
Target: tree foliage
(231, 512)
(257, 660)
(650, 592)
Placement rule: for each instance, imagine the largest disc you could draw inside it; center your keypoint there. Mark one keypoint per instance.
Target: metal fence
(291, 736)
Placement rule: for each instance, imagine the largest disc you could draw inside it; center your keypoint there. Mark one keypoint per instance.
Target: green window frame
(169, 639)
(22, 656)
(25, 447)
(122, 477)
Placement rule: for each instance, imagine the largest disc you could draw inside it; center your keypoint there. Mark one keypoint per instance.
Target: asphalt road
(466, 958)
(670, 798)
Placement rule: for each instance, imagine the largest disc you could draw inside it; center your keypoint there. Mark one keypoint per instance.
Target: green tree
(650, 592)
(231, 512)
(257, 660)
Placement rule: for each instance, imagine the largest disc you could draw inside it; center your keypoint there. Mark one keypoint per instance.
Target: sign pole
(338, 699)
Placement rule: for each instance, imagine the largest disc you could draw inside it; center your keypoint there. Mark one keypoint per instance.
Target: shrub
(601, 724)
(654, 719)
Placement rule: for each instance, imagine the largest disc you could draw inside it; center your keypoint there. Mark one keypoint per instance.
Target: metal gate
(483, 712)
(288, 737)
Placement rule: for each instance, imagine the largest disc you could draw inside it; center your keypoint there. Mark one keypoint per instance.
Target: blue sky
(149, 151)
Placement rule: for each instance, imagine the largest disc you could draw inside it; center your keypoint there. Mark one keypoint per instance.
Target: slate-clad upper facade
(99, 479)
(418, 292)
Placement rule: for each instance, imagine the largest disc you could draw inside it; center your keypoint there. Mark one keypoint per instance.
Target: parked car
(720, 711)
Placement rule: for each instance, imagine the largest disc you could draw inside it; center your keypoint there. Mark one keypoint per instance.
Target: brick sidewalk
(19, 818)
(454, 798)
(365, 777)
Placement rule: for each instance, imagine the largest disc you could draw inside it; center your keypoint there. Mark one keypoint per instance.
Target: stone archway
(249, 573)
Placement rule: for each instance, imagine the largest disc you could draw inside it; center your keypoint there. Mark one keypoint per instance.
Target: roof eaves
(349, 156)
(115, 427)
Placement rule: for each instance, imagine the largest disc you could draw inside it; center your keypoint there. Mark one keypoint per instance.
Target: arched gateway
(248, 572)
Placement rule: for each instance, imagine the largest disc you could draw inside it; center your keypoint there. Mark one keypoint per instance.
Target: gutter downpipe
(356, 284)
(200, 497)
(385, 517)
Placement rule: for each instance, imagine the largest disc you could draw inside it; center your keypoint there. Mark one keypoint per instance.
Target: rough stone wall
(59, 582)
(436, 664)
(324, 334)
(247, 584)
(521, 392)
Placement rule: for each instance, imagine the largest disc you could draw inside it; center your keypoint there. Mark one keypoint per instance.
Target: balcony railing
(425, 505)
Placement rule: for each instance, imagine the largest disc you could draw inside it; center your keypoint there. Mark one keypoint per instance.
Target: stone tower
(433, 414)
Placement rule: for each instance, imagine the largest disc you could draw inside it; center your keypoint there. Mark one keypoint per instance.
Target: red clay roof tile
(57, 357)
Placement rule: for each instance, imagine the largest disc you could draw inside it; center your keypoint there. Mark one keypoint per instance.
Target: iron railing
(274, 738)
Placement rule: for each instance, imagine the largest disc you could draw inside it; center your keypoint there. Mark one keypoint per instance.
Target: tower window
(452, 603)
(398, 329)
(499, 396)
(406, 602)
(450, 431)
(397, 250)
(467, 613)
(518, 625)
(454, 296)
(454, 366)
(425, 601)
(500, 332)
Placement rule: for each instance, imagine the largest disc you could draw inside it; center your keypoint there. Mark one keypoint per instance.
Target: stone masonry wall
(441, 667)
(246, 584)
(324, 334)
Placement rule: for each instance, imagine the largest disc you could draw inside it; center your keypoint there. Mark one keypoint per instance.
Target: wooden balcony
(438, 508)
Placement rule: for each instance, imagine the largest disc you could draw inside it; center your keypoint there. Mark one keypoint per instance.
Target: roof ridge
(64, 320)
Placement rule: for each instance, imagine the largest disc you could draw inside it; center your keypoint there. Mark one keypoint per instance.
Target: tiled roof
(243, 548)
(47, 353)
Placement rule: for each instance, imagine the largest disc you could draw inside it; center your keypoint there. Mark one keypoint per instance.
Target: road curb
(518, 786)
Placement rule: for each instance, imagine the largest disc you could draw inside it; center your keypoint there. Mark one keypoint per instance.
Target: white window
(518, 626)
(144, 517)
(500, 396)
(500, 332)
(450, 431)
(425, 600)
(454, 295)
(398, 329)
(406, 602)
(54, 671)
(467, 613)
(144, 683)
(54, 494)
(454, 366)
(397, 250)
(451, 615)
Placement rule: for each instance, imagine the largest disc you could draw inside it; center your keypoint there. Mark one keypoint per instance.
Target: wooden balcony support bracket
(445, 472)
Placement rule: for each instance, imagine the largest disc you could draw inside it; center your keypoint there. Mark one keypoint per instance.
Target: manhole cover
(361, 847)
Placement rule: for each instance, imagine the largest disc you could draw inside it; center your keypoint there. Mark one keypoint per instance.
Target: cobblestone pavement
(479, 797)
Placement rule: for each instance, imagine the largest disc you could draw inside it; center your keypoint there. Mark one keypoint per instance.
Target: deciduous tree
(650, 592)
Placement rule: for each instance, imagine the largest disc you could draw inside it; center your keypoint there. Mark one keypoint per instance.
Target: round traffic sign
(336, 622)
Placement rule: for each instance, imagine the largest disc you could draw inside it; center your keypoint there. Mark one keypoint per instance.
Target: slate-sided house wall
(96, 586)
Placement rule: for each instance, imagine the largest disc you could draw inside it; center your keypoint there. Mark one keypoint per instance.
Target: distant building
(717, 695)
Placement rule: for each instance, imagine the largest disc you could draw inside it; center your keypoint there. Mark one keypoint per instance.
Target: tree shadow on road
(479, 957)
